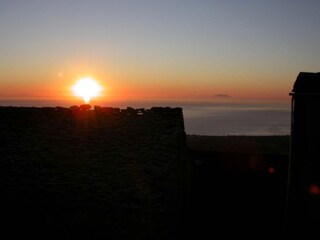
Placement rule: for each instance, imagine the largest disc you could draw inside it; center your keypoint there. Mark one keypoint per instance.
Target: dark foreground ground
(239, 186)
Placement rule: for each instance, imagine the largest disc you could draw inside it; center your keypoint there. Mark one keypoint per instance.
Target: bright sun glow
(86, 88)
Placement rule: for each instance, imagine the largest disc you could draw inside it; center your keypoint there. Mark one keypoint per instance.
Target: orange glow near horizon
(86, 88)
(119, 88)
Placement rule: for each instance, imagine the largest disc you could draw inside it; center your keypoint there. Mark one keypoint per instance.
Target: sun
(86, 88)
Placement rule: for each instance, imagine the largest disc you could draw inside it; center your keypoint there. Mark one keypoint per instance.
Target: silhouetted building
(303, 212)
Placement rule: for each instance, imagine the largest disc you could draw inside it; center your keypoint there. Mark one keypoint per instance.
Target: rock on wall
(117, 173)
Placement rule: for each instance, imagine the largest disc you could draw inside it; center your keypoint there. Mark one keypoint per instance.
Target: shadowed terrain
(133, 174)
(239, 186)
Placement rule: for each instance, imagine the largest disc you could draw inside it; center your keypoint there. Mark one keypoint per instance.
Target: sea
(212, 118)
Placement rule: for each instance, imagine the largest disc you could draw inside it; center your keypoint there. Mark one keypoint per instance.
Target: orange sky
(59, 88)
(157, 49)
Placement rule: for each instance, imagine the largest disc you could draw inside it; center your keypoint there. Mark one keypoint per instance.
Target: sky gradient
(168, 49)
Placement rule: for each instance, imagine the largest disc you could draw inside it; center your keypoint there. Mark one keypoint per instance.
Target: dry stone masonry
(117, 173)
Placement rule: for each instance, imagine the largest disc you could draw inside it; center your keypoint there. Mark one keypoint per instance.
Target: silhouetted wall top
(307, 83)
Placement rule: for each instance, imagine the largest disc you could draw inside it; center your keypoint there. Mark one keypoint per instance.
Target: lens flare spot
(314, 189)
(86, 88)
(271, 170)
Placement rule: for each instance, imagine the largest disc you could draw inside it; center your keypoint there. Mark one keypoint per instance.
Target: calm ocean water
(211, 118)
(240, 119)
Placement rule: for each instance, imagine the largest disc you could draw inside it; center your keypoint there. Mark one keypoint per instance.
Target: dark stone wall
(107, 172)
